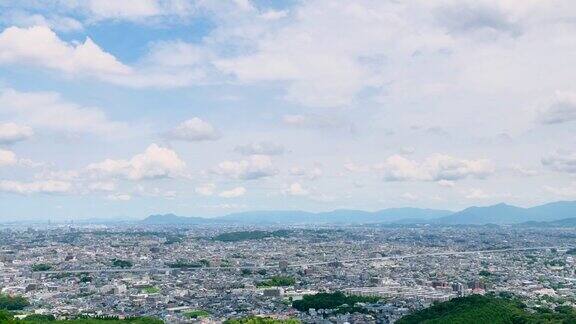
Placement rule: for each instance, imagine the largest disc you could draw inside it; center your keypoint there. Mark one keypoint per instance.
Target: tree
(41, 267)
(261, 320)
(13, 302)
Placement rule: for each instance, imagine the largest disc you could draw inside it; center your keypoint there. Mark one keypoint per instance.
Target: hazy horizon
(134, 218)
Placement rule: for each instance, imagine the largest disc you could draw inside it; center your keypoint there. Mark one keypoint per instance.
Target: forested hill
(477, 309)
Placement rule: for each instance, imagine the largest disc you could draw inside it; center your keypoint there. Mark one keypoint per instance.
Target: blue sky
(127, 108)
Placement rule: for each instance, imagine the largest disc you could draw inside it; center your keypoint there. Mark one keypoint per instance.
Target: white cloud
(355, 167)
(394, 48)
(446, 183)
(11, 133)
(561, 161)
(564, 192)
(409, 196)
(297, 171)
(296, 189)
(40, 46)
(523, 171)
(475, 193)
(155, 162)
(324, 198)
(55, 22)
(317, 122)
(7, 158)
(194, 129)
(482, 19)
(136, 11)
(317, 74)
(274, 14)
(178, 54)
(39, 109)
(561, 110)
(119, 197)
(125, 9)
(315, 173)
(154, 192)
(261, 148)
(61, 175)
(256, 166)
(233, 193)
(205, 189)
(406, 150)
(434, 168)
(323, 62)
(102, 186)
(225, 206)
(312, 174)
(26, 188)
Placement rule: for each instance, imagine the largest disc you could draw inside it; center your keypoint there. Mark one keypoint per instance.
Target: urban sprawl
(188, 274)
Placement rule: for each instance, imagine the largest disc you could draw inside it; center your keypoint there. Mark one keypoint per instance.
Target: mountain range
(496, 214)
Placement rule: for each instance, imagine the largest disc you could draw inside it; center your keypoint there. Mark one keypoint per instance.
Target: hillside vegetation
(8, 318)
(260, 320)
(488, 309)
(250, 235)
(330, 301)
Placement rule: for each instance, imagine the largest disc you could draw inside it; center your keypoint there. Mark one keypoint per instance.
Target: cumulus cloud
(21, 18)
(296, 189)
(39, 109)
(155, 162)
(193, 130)
(233, 193)
(27, 188)
(254, 167)
(434, 168)
(322, 62)
(205, 189)
(561, 110)
(11, 133)
(261, 148)
(7, 158)
(40, 46)
(317, 74)
(561, 161)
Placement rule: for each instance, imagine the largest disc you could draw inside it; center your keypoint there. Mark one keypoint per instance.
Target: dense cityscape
(210, 274)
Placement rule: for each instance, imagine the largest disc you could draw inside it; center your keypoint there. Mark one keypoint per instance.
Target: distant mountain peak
(501, 213)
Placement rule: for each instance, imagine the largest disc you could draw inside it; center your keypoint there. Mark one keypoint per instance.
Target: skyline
(197, 108)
